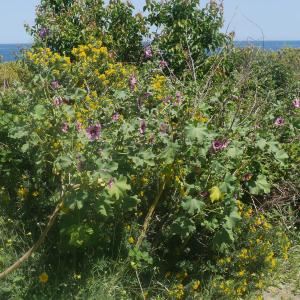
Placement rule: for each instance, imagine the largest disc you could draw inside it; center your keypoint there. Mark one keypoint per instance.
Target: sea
(11, 52)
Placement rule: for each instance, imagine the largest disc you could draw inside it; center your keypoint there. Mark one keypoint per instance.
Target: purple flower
(225, 144)
(57, 101)
(43, 32)
(110, 183)
(167, 99)
(296, 103)
(163, 64)
(147, 95)
(142, 127)
(115, 117)
(78, 126)
(163, 128)
(65, 127)
(217, 145)
(178, 98)
(148, 52)
(93, 132)
(132, 82)
(247, 176)
(279, 121)
(54, 84)
(220, 145)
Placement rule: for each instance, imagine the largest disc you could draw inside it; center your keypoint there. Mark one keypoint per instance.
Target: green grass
(9, 72)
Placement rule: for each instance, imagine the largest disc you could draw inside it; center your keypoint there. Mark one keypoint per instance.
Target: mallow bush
(163, 155)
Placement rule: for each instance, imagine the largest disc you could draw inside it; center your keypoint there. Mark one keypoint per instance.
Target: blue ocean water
(9, 52)
(268, 45)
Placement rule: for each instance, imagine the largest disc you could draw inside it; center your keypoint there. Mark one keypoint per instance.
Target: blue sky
(250, 19)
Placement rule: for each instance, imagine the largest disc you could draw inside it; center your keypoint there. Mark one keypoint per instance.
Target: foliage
(64, 25)
(185, 33)
(157, 167)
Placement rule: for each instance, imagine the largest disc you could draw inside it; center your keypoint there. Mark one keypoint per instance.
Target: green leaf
(39, 112)
(170, 152)
(183, 226)
(119, 188)
(261, 144)
(18, 133)
(192, 205)
(131, 203)
(235, 151)
(198, 133)
(260, 186)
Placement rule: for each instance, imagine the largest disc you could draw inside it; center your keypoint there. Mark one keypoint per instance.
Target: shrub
(168, 175)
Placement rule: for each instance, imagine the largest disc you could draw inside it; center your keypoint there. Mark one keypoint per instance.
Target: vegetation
(169, 170)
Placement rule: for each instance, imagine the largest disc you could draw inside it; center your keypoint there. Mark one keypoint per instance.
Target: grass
(9, 72)
(77, 275)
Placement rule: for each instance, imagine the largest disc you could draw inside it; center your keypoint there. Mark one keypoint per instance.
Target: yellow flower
(101, 182)
(44, 277)
(131, 240)
(22, 192)
(35, 193)
(215, 194)
(102, 77)
(241, 273)
(77, 276)
(158, 82)
(259, 284)
(196, 285)
(145, 180)
(243, 254)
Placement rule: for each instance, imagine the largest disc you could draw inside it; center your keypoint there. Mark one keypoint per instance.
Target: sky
(250, 19)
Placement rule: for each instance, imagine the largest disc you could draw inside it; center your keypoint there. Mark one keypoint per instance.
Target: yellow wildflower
(196, 285)
(131, 240)
(44, 277)
(35, 193)
(22, 192)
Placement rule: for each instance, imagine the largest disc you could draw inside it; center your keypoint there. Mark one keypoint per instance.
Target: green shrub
(168, 174)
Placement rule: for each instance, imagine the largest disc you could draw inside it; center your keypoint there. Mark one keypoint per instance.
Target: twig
(148, 218)
(41, 239)
(138, 279)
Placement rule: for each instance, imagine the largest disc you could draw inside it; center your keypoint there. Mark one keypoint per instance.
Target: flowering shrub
(163, 171)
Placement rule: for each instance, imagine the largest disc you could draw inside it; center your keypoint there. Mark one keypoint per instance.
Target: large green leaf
(118, 188)
(192, 205)
(260, 186)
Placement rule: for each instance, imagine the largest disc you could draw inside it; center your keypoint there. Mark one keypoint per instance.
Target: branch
(150, 214)
(41, 239)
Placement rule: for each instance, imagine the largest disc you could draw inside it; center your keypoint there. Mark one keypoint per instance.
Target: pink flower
(57, 101)
(296, 103)
(217, 145)
(247, 176)
(93, 132)
(54, 84)
(220, 145)
(163, 128)
(279, 121)
(163, 64)
(78, 126)
(142, 127)
(110, 183)
(148, 52)
(132, 82)
(178, 98)
(115, 117)
(65, 127)
(225, 144)
(43, 32)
